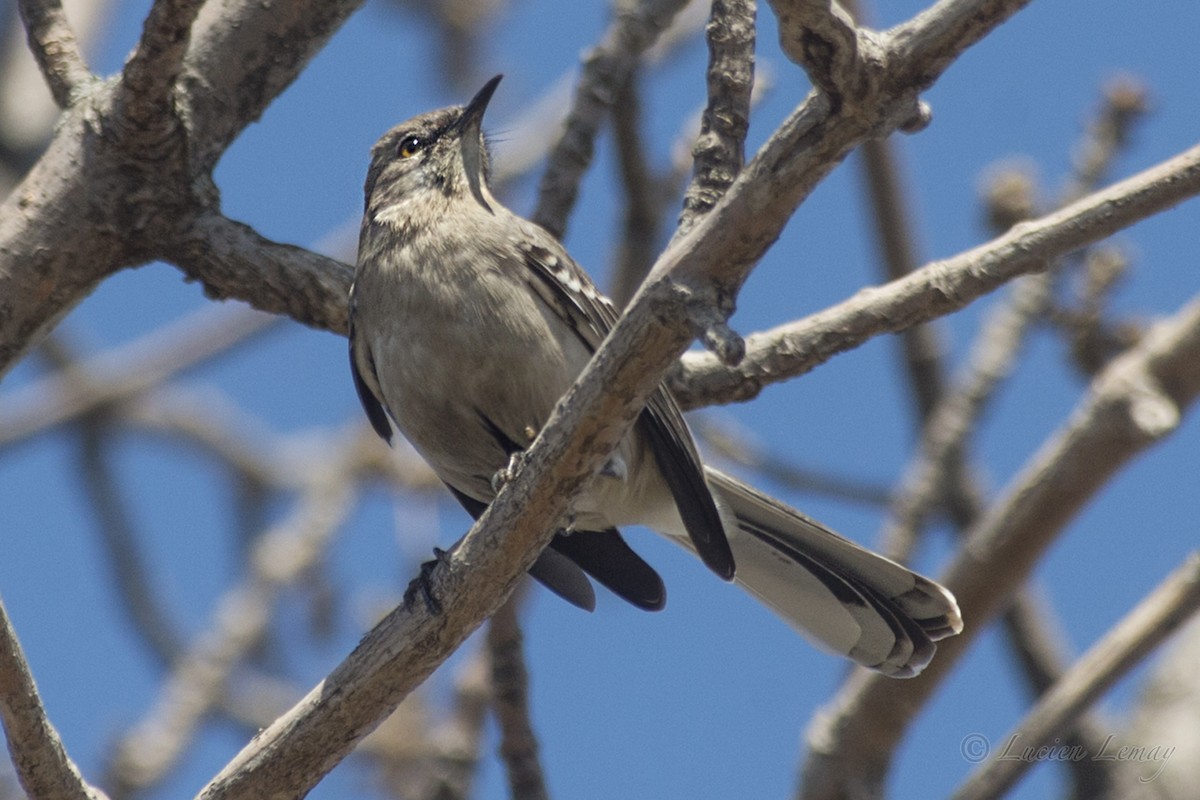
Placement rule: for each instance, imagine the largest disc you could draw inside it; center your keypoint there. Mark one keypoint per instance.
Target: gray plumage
(468, 323)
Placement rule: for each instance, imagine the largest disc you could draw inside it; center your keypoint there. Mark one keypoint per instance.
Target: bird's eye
(410, 146)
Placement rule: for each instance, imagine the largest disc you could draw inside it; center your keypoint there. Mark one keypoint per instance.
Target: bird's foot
(423, 584)
(505, 474)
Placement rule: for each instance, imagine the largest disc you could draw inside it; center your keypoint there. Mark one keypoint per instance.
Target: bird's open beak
(470, 135)
(472, 116)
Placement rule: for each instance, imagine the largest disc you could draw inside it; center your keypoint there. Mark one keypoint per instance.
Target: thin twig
(1154, 619)
(282, 555)
(718, 153)
(605, 70)
(45, 770)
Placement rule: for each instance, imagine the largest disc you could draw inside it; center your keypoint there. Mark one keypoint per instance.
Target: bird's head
(439, 155)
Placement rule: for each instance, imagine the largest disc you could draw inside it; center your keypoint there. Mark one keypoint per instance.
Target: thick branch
(1135, 402)
(938, 288)
(242, 55)
(232, 260)
(48, 261)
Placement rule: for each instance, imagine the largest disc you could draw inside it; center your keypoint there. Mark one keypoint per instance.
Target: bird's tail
(840, 595)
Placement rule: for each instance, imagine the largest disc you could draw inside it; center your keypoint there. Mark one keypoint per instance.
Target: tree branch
(233, 261)
(718, 153)
(938, 288)
(54, 46)
(510, 702)
(605, 70)
(45, 770)
(242, 55)
(150, 73)
(1134, 403)
(1154, 619)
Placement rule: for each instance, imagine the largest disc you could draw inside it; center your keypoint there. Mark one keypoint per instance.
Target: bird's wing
(366, 382)
(566, 288)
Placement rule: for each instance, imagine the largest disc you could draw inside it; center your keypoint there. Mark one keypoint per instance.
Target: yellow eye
(410, 147)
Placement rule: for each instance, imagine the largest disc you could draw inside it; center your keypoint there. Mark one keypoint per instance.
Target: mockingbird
(468, 323)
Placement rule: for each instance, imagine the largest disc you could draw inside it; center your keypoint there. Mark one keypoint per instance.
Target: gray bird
(468, 323)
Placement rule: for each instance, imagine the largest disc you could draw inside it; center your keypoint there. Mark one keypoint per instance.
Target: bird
(468, 323)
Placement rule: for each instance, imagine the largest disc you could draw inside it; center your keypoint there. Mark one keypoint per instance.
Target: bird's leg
(505, 474)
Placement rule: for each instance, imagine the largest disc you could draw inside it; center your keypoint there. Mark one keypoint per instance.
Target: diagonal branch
(938, 288)
(1133, 404)
(605, 70)
(54, 46)
(1150, 623)
(471, 583)
(45, 770)
(242, 55)
(233, 260)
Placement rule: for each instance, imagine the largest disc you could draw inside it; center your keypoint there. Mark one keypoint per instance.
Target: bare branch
(510, 701)
(937, 288)
(45, 770)
(242, 55)
(822, 38)
(127, 370)
(1134, 403)
(279, 558)
(718, 153)
(643, 198)
(150, 73)
(233, 260)
(54, 46)
(1154, 619)
(605, 70)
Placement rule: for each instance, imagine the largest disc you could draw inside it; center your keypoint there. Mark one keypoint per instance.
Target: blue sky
(710, 698)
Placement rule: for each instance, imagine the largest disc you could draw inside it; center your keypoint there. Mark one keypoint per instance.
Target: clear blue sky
(711, 697)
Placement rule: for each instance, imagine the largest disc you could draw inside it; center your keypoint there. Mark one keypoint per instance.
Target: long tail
(842, 596)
